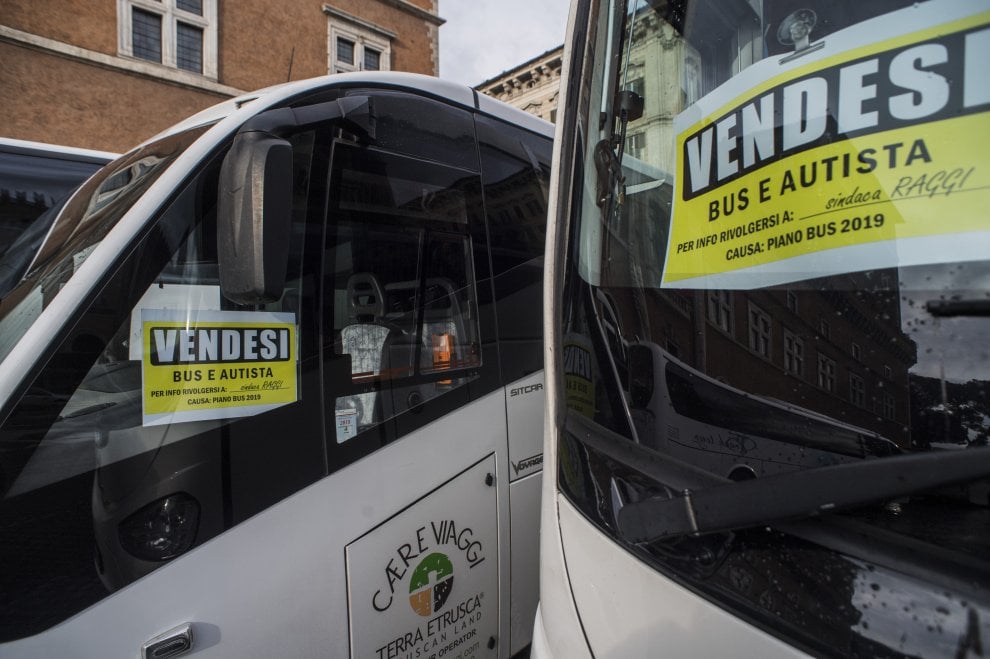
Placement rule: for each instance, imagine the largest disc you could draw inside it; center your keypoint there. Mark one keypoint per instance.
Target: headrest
(365, 297)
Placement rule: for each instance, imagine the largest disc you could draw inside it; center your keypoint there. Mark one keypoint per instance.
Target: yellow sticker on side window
(198, 365)
(858, 158)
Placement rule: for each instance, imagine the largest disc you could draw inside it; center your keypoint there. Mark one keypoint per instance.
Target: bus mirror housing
(254, 211)
(254, 215)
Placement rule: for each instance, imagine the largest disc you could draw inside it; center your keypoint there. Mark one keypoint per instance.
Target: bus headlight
(162, 529)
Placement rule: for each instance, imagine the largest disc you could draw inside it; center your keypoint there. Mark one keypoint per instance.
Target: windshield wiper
(949, 308)
(797, 494)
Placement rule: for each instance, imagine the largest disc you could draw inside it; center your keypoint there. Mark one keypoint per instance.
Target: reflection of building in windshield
(949, 414)
(671, 72)
(834, 346)
(679, 52)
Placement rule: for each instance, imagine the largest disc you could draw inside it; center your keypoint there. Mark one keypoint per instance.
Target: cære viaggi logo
(421, 573)
(430, 584)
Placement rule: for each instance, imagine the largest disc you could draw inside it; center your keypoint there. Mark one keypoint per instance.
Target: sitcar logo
(431, 583)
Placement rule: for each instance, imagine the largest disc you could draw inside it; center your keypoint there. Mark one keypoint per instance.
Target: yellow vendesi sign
(204, 365)
(860, 151)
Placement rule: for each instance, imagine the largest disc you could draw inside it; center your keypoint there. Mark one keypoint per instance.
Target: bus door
(410, 355)
(515, 171)
(313, 473)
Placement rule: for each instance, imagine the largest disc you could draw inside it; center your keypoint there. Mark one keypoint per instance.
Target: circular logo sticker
(430, 584)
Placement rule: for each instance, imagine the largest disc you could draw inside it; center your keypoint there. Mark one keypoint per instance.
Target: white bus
(270, 386)
(34, 178)
(680, 411)
(766, 317)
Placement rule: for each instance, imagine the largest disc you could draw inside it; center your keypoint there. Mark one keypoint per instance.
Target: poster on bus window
(198, 365)
(868, 149)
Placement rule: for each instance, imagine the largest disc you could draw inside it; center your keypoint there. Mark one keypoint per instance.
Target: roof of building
(520, 68)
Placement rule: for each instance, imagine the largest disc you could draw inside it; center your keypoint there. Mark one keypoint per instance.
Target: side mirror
(254, 217)
(254, 211)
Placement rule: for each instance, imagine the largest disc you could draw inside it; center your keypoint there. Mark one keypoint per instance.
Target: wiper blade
(797, 494)
(949, 308)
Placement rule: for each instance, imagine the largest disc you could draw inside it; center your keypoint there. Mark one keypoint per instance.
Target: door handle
(172, 643)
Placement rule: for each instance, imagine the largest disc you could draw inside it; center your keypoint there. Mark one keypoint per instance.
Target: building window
(793, 354)
(760, 326)
(825, 329)
(887, 373)
(189, 48)
(857, 390)
(356, 44)
(857, 353)
(826, 373)
(792, 301)
(180, 34)
(147, 34)
(720, 310)
(678, 300)
(888, 406)
(635, 144)
(345, 51)
(372, 59)
(637, 86)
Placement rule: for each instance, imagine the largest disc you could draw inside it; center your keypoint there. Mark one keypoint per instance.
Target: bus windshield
(778, 271)
(777, 227)
(43, 260)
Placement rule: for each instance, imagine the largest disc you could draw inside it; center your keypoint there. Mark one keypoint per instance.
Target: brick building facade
(107, 74)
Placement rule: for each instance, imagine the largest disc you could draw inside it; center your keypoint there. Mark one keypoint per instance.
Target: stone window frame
(363, 34)
(171, 15)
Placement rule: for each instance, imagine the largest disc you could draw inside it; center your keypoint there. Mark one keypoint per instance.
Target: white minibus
(272, 385)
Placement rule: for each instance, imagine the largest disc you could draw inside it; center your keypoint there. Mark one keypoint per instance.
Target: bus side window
(401, 268)
(515, 173)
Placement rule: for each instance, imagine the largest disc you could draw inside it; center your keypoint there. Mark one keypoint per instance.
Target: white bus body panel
(277, 586)
(630, 610)
(55, 150)
(524, 405)
(445, 540)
